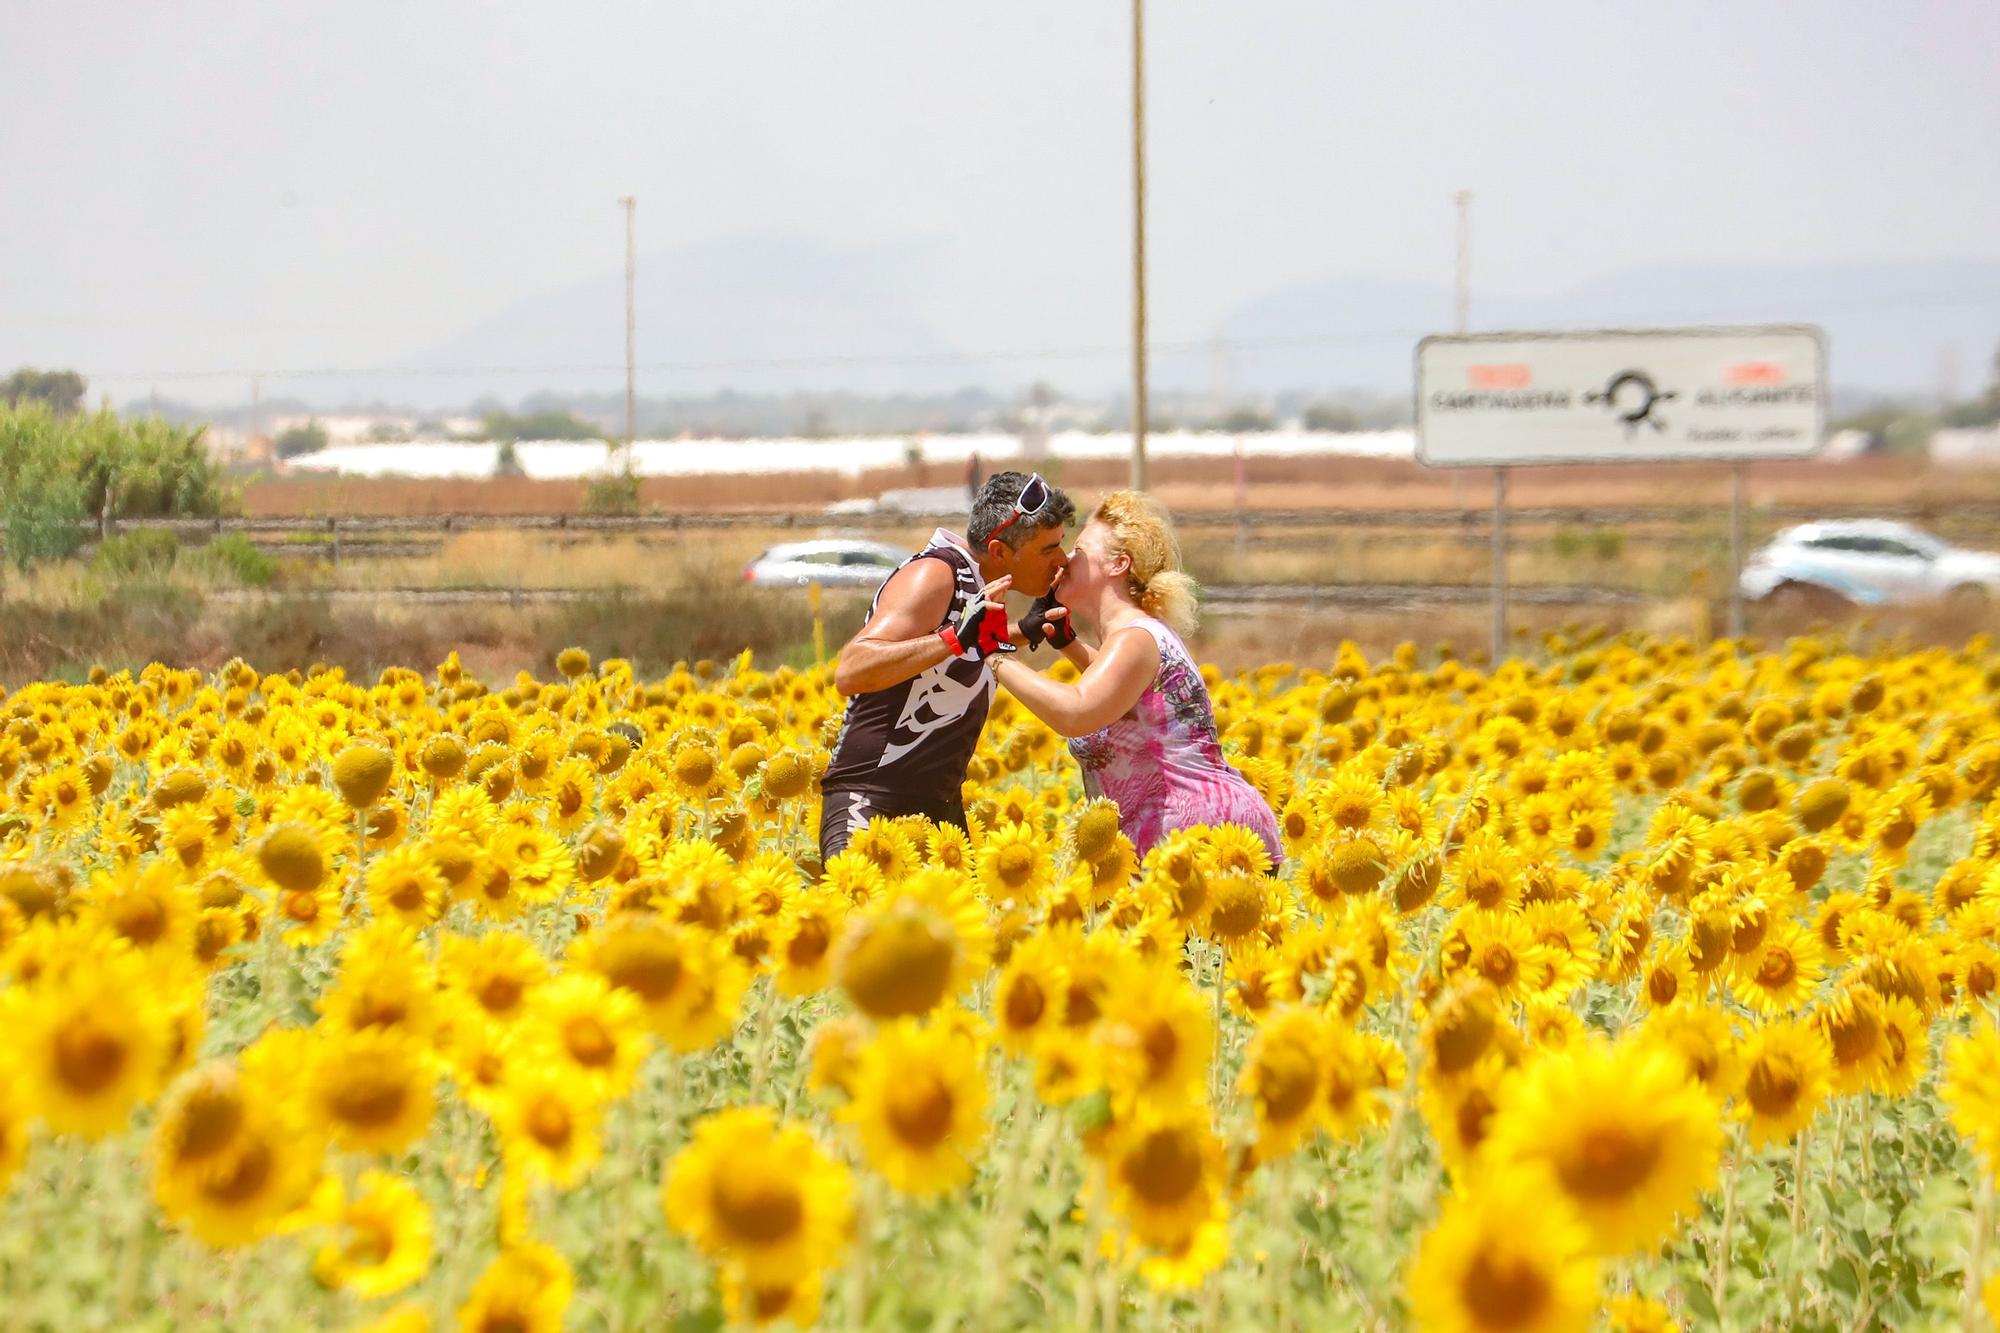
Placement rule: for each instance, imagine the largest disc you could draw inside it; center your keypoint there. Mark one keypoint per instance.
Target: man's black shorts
(846, 811)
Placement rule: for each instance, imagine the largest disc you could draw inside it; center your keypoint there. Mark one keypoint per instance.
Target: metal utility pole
(1462, 287)
(1138, 245)
(1736, 550)
(630, 204)
(1462, 301)
(1462, 297)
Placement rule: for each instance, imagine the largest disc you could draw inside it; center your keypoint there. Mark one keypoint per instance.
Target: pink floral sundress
(1162, 764)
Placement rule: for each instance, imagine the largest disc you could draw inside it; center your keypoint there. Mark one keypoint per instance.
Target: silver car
(833, 562)
(1868, 562)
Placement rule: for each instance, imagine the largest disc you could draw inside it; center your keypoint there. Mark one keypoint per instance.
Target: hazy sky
(204, 185)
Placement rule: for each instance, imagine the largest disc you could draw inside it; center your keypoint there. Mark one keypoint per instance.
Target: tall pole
(1462, 299)
(1736, 550)
(1138, 245)
(630, 204)
(1499, 565)
(1461, 288)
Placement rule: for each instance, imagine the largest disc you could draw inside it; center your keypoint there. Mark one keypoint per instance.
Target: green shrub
(233, 559)
(57, 472)
(615, 494)
(147, 552)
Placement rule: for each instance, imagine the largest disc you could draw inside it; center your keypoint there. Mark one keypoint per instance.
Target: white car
(833, 562)
(1868, 562)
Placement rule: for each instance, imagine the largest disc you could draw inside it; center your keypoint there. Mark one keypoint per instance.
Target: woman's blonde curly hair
(1139, 528)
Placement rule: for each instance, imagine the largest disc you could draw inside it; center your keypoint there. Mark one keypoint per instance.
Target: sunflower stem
(1006, 1222)
(1393, 1141)
(767, 1018)
(1797, 1277)
(855, 1293)
(1216, 1060)
(1718, 1278)
(1975, 1261)
(360, 861)
(1282, 1247)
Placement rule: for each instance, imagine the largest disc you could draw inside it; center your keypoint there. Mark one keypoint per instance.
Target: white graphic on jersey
(857, 813)
(935, 700)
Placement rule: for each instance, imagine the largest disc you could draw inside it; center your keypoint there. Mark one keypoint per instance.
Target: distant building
(1967, 448)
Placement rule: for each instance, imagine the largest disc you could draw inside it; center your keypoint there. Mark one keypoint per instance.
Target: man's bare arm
(900, 641)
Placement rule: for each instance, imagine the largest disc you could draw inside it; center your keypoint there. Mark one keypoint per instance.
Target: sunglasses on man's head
(1034, 498)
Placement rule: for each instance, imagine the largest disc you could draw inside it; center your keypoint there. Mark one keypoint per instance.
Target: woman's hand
(1047, 621)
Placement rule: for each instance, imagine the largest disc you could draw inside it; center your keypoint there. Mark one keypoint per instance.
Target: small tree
(1244, 421)
(42, 503)
(295, 441)
(612, 494)
(61, 391)
(503, 426)
(1331, 417)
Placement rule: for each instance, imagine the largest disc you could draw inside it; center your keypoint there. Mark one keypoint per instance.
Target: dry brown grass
(1182, 483)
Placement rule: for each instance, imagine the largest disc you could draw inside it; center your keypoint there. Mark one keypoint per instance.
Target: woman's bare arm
(1112, 682)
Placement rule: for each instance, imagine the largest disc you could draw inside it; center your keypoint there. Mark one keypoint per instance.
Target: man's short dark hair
(995, 504)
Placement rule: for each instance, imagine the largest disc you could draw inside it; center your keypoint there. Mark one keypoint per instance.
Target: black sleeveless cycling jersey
(910, 743)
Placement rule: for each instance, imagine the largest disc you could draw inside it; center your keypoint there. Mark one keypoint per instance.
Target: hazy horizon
(214, 187)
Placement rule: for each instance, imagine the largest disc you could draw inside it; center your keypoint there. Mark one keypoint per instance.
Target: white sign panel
(1621, 396)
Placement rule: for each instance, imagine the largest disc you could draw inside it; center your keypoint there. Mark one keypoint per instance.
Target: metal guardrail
(1214, 596)
(1442, 518)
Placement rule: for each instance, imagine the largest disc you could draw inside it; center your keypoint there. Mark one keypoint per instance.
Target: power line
(1105, 350)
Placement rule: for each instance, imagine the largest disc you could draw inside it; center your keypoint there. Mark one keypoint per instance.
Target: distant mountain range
(727, 310)
(1888, 325)
(777, 314)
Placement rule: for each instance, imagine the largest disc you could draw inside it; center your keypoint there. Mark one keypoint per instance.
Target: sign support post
(1736, 551)
(1716, 395)
(1499, 564)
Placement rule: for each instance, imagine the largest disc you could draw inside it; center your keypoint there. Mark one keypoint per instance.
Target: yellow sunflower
(591, 1033)
(1787, 1071)
(405, 884)
(1028, 994)
(1504, 1257)
(1626, 1137)
(808, 932)
(1284, 1072)
(548, 1119)
(1166, 1173)
(88, 1042)
(1015, 864)
(526, 1289)
(497, 971)
(1971, 1088)
(919, 1103)
(758, 1195)
(1158, 1036)
(382, 1240)
(1783, 972)
(925, 941)
(373, 1090)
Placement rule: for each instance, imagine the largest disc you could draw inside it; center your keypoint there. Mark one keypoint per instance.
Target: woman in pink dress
(1138, 718)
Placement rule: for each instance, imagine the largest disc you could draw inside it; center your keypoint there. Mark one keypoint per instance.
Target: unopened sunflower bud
(362, 773)
(443, 756)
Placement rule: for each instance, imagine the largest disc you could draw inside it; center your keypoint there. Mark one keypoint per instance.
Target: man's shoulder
(928, 571)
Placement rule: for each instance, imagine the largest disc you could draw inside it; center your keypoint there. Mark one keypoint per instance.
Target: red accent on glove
(950, 637)
(992, 630)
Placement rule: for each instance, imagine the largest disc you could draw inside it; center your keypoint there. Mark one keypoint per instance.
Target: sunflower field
(1632, 984)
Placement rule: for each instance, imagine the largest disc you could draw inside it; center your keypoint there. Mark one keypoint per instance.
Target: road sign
(1621, 396)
